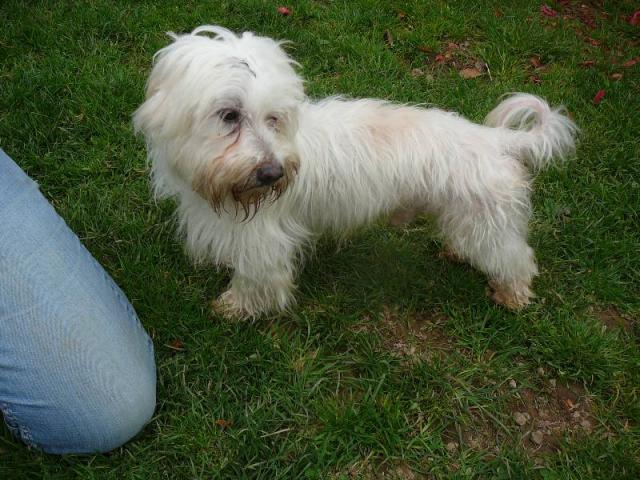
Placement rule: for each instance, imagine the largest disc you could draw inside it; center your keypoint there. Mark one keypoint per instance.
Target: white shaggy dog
(259, 170)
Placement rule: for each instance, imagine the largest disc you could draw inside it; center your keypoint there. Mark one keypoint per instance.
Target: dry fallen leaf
(439, 58)
(176, 345)
(587, 63)
(284, 11)
(221, 422)
(634, 19)
(535, 62)
(616, 76)
(631, 63)
(416, 72)
(470, 72)
(535, 79)
(401, 15)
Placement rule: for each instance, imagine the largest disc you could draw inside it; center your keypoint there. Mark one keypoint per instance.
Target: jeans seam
(18, 430)
(133, 316)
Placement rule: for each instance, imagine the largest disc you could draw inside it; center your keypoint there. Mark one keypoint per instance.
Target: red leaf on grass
(598, 98)
(631, 63)
(548, 11)
(587, 63)
(221, 422)
(439, 58)
(634, 19)
(284, 11)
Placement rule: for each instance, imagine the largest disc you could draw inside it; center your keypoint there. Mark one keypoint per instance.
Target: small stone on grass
(537, 437)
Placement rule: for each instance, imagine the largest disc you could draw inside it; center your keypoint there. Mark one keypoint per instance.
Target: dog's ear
(148, 118)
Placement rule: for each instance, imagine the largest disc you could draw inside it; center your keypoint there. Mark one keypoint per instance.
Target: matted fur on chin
(259, 170)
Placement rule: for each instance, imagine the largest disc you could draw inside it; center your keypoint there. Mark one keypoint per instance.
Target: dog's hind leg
(491, 234)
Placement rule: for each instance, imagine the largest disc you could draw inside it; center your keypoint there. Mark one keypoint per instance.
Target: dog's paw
(511, 298)
(228, 306)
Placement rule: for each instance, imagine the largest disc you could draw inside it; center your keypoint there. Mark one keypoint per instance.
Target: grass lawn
(394, 363)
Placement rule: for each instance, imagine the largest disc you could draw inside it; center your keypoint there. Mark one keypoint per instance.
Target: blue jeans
(77, 371)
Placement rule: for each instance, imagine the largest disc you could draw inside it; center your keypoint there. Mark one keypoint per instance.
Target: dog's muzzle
(269, 173)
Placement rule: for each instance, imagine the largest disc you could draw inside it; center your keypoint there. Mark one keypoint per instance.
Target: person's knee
(125, 418)
(108, 425)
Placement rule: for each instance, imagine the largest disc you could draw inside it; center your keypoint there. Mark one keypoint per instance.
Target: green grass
(393, 362)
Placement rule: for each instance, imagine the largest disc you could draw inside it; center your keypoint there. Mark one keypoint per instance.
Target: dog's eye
(272, 121)
(229, 115)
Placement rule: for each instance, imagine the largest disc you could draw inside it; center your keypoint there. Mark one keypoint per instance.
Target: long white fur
(359, 160)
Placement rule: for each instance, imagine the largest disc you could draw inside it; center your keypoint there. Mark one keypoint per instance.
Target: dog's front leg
(249, 297)
(263, 278)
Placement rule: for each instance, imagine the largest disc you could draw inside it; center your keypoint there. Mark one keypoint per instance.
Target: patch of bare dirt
(457, 56)
(587, 13)
(481, 435)
(613, 319)
(417, 336)
(368, 469)
(545, 419)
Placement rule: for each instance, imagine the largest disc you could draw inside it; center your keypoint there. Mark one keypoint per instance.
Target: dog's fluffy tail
(541, 135)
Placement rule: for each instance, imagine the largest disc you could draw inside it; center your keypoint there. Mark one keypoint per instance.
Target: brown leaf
(176, 345)
(416, 72)
(587, 63)
(388, 38)
(535, 62)
(616, 76)
(424, 49)
(470, 72)
(221, 422)
(439, 58)
(401, 15)
(631, 63)
(498, 13)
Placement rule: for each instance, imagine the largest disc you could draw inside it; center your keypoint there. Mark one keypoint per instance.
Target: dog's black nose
(269, 173)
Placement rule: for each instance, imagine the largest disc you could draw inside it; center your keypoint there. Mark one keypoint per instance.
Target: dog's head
(220, 117)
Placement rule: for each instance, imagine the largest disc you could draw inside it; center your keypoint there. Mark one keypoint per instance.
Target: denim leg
(77, 370)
